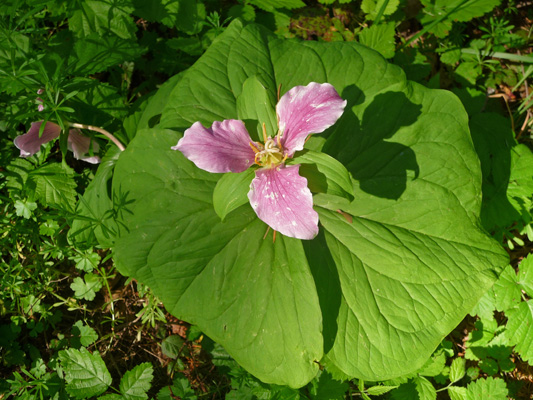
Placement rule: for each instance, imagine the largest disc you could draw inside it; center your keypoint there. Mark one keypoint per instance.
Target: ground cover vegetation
(417, 200)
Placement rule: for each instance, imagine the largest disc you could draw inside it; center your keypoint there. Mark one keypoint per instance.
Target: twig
(99, 130)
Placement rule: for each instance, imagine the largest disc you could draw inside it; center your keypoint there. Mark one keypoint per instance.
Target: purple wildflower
(30, 143)
(278, 194)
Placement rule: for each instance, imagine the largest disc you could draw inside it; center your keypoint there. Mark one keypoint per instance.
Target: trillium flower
(30, 143)
(278, 194)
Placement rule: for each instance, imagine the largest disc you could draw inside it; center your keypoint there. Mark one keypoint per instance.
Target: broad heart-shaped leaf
(253, 295)
(390, 273)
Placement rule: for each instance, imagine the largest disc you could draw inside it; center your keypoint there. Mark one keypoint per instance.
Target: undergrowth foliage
(408, 263)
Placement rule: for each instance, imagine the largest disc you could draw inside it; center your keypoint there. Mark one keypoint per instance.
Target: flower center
(270, 154)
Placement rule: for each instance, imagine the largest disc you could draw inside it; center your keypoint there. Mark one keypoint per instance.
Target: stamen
(274, 237)
(266, 233)
(279, 91)
(264, 133)
(255, 149)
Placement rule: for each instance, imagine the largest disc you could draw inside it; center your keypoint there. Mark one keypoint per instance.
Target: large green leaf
(97, 208)
(392, 271)
(243, 290)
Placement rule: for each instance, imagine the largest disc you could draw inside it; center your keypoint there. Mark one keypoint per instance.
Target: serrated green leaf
(525, 275)
(17, 173)
(380, 38)
(180, 388)
(324, 174)
(25, 208)
(82, 335)
(231, 192)
(87, 261)
(54, 186)
(519, 332)
(485, 307)
(101, 17)
(490, 388)
(520, 181)
(246, 12)
(457, 369)
(135, 383)
(97, 52)
(479, 338)
(441, 13)
(172, 345)
(48, 228)
(434, 365)
(86, 288)
(86, 374)
(97, 103)
(379, 390)
(506, 290)
(372, 7)
(457, 393)
(425, 389)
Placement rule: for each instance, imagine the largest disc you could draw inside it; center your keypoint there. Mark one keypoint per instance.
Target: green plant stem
(99, 130)
(111, 301)
(381, 11)
(497, 54)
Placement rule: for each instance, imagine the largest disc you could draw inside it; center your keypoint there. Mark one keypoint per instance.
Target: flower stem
(100, 130)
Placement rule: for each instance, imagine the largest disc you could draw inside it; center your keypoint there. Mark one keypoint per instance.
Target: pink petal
(225, 147)
(30, 143)
(307, 109)
(280, 197)
(79, 145)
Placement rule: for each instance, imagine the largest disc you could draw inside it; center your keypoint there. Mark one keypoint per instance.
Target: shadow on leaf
(381, 166)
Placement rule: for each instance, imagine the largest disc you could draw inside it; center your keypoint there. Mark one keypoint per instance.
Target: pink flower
(30, 143)
(278, 194)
